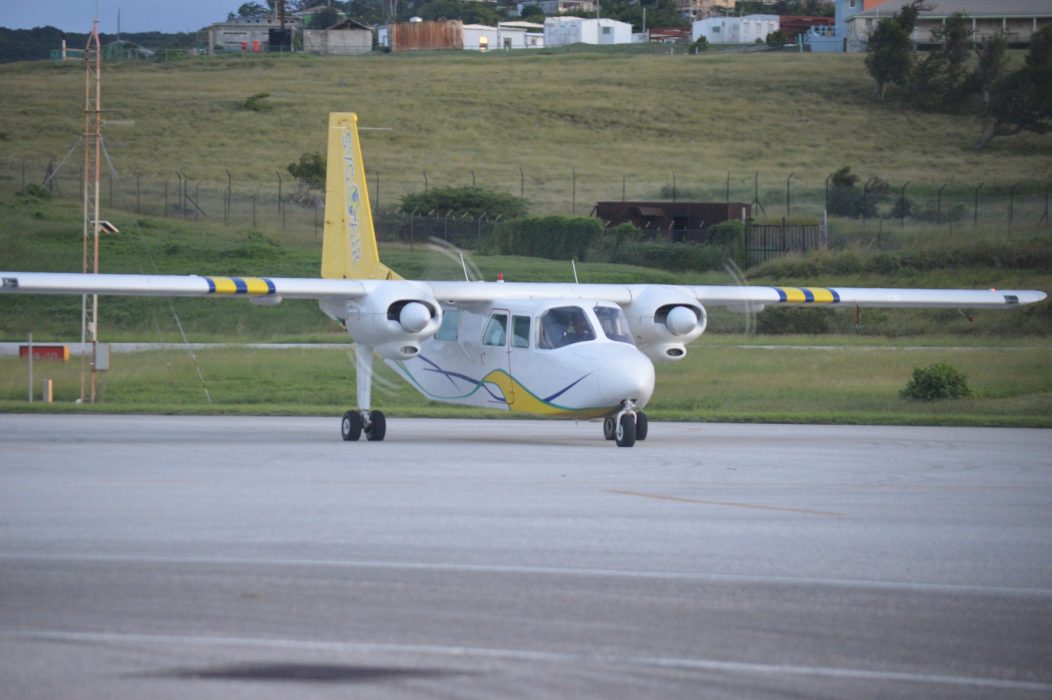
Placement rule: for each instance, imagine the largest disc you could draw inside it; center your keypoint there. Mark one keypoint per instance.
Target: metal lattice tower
(92, 168)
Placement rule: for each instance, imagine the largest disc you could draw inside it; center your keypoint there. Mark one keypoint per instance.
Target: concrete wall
(337, 42)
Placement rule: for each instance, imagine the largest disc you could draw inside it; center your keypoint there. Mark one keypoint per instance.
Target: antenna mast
(92, 167)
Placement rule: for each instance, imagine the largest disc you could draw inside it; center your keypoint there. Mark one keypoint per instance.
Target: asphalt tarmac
(234, 557)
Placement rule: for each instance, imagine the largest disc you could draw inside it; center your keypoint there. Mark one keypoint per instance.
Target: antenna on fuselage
(574, 266)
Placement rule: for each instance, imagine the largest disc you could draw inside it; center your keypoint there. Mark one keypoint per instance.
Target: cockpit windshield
(614, 324)
(564, 325)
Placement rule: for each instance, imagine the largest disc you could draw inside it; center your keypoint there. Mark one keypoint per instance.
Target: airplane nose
(625, 373)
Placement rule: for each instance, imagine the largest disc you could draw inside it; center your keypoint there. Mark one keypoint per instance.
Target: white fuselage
(554, 358)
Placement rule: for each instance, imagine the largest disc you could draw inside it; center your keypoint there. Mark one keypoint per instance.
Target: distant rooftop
(972, 8)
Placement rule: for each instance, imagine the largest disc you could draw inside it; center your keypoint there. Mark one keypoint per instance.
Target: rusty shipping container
(428, 36)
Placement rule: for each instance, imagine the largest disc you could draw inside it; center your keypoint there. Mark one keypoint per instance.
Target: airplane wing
(258, 288)
(731, 296)
(741, 297)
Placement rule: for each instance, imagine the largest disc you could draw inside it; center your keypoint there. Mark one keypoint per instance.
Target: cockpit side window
(564, 325)
(496, 330)
(520, 331)
(614, 324)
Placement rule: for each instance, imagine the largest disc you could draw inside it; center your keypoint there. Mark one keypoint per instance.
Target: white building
(563, 31)
(481, 37)
(521, 35)
(735, 30)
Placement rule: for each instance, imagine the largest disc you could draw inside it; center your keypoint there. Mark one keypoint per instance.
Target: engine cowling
(394, 318)
(664, 321)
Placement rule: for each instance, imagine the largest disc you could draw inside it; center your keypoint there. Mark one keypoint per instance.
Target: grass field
(521, 119)
(724, 378)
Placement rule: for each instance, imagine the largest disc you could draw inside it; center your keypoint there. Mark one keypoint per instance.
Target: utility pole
(92, 168)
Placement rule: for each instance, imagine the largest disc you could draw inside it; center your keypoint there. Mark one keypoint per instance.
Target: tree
(471, 201)
(326, 17)
(992, 60)
(368, 12)
(1022, 100)
(889, 53)
(251, 9)
(939, 81)
(532, 13)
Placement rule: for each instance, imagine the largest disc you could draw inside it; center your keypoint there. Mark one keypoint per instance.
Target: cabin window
(450, 325)
(614, 324)
(496, 331)
(564, 325)
(520, 331)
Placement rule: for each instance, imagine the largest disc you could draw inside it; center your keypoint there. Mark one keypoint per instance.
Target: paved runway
(175, 557)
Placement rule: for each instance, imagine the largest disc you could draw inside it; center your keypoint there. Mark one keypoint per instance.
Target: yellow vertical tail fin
(349, 248)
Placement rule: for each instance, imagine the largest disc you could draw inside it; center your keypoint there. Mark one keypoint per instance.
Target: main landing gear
(364, 420)
(627, 426)
(372, 423)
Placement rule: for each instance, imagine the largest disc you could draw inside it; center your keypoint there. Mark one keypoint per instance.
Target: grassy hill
(518, 119)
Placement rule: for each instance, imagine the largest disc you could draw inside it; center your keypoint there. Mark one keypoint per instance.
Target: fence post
(1011, 205)
(281, 204)
(975, 210)
(938, 207)
(197, 198)
(166, 199)
(138, 194)
(573, 188)
(472, 178)
(226, 203)
(253, 210)
(902, 205)
(828, 178)
(624, 186)
(673, 186)
(110, 178)
(728, 188)
(1044, 217)
(376, 207)
(865, 194)
(788, 198)
(425, 182)
(522, 184)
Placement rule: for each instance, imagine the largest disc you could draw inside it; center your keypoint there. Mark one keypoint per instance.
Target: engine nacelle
(664, 320)
(393, 319)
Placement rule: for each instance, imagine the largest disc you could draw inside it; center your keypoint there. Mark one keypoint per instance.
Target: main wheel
(641, 425)
(609, 427)
(377, 426)
(351, 426)
(626, 431)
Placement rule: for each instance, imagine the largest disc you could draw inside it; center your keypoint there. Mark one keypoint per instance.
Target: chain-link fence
(279, 203)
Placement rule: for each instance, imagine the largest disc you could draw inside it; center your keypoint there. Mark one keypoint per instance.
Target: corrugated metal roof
(972, 8)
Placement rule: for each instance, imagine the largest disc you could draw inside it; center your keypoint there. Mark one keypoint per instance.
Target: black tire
(377, 426)
(641, 426)
(351, 426)
(626, 431)
(609, 427)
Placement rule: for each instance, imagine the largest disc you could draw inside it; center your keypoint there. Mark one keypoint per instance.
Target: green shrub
(310, 171)
(702, 44)
(940, 381)
(35, 191)
(256, 103)
(777, 39)
(471, 201)
(775, 321)
(552, 237)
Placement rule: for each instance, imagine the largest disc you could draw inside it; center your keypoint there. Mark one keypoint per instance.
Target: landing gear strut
(364, 420)
(627, 426)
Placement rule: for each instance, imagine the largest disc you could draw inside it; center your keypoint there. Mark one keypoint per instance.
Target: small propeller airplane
(582, 351)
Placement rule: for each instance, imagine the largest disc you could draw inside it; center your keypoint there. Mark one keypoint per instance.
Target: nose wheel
(626, 427)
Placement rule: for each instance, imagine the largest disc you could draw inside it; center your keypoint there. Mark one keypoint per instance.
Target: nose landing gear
(372, 423)
(627, 426)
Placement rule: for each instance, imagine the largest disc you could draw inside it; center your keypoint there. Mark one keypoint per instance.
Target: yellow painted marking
(794, 295)
(821, 294)
(224, 285)
(520, 399)
(753, 506)
(255, 285)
